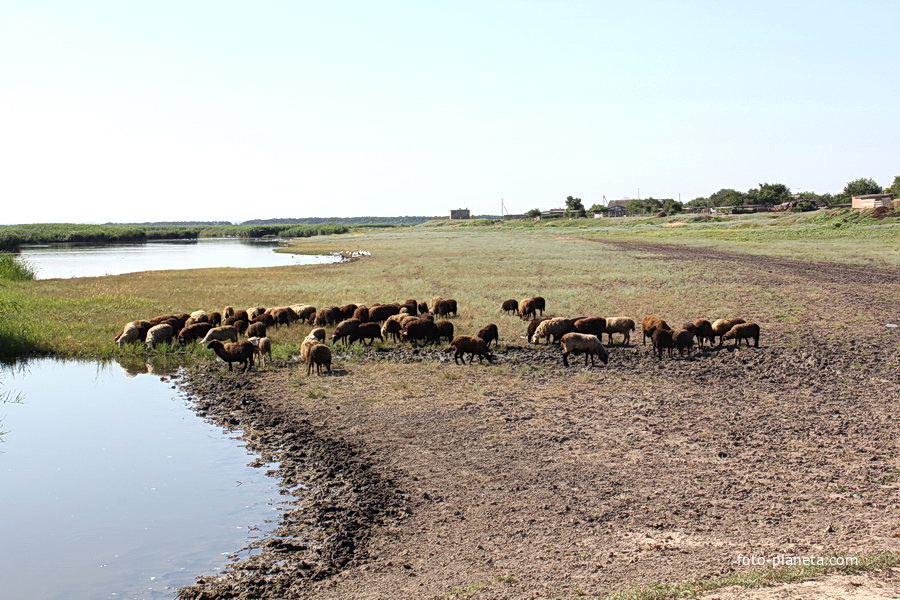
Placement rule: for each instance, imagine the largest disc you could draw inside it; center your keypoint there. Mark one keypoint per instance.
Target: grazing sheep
(622, 325)
(510, 306)
(198, 314)
(591, 325)
(254, 311)
(663, 340)
(215, 319)
(204, 318)
(223, 333)
(303, 311)
(540, 304)
(361, 313)
(319, 355)
(722, 326)
(239, 352)
(266, 319)
(133, 332)
(553, 329)
(263, 349)
(445, 330)
(583, 343)
(684, 338)
(241, 315)
(467, 344)
(392, 328)
(744, 331)
(527, 309)
(489, 333)
(453, 307)
(703, 330)
(411, 306)
(241, 326)
(532, 327)
(649, 324)
(316, 336)
(347, 310)
(419, 330)
(228, 311)
(344, 329)
(380, 312)
(257, 330)
(192, 333)
(442, 308)
(366, 331)
(159, 334)
(283, 316)
(423, 307)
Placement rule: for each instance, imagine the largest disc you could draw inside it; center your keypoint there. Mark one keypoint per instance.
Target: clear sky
(163, 110)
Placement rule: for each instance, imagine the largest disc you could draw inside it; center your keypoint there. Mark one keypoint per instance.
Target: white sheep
(722, 326)
(316, 336)
(197, 314)
(225, 332)
(622, 325)
(131, 334)
(159, 334)
(552, 329)
(263, 348)
(583, 343)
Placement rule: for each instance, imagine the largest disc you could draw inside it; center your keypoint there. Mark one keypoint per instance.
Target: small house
(460, 213)
(872, 201)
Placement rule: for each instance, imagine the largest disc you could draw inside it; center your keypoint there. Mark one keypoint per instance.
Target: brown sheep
(316, 336)
(423, 307)
(489, 333)
(304, 312)
(684, 338)
(651, 323)
(344, 329)
(744, 331)
(381, 312)
(510, 306)
(366, 331)
(192, 333)
(263, 349)
(663, 340)
(540, 304)
(445, 330)
(442, 308)
(591, 325)
(411, 307)
(241, 315)
(215, 318)
(284, 316)
(622, 325)
(240, 352)
(466, 344)
(320, 356)
(133, 332)
(228, 311)
(527, 309)
(703, 331)
(722, 326)
(347, 310)
(583, 343)
(419, 330)
(257, 330)
(361, 313)
(330, 315)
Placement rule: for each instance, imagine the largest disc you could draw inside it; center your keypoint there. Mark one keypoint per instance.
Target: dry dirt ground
(413, 477)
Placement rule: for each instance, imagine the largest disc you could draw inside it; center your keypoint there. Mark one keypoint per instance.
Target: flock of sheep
(415, 323)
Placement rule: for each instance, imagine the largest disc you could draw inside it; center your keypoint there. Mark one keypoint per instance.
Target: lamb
(592, 326)
(553, 329)
(703, 330)
(744, 331)
(159, 334)
(649, 324)
(366, 331)
(663, 340)
(510, 306)
(583, 343)
(192, 333)
(532, 327)
(257, 330)
(223, 333)
(419, 330)
(466, 344)
(489, 333)
(319, 355)
(263, 348)
(344, 329)
(445, 330)
(239, 352)
(722, 326)
(684, 338)
(527, 308)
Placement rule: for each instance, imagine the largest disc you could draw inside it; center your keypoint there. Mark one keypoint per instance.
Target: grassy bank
(13, 236)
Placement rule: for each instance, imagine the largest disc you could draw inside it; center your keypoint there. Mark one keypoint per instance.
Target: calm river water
(92, 260)
(112, 487)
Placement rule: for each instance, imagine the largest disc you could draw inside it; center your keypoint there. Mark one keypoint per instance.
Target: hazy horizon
(115, 112)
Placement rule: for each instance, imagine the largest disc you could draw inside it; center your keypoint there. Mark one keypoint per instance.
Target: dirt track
(530, 480)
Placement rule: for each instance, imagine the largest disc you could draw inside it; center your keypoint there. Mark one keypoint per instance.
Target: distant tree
(574, 207)
(769, 193)
(671, 207)
(727, 197)
(534, 212)
(894, 187)
(643, 206)
(595, 207)
(858, 187)
(699, 201)
(811, 197)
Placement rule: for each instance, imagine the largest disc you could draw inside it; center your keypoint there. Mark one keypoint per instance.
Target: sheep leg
(755, 342)
(566, 359)
(229, 365)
